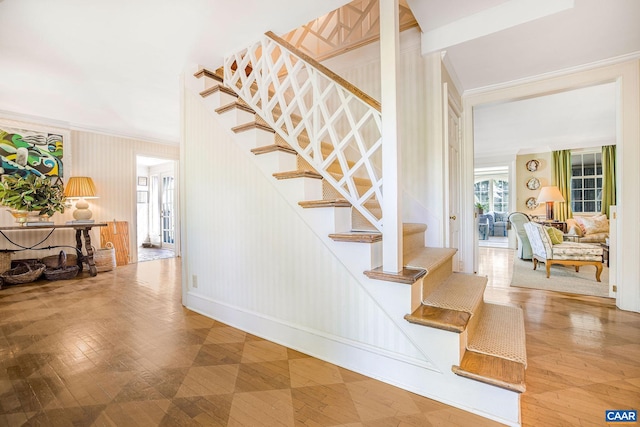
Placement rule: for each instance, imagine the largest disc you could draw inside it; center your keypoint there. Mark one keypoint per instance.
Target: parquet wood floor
(119, 349)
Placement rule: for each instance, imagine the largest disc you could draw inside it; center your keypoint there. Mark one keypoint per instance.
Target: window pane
(576, 194)
(598, 206)
(576, 183)
(577, 206)
(589, 194)
(589, 206)
(589, 183)
(576, 170)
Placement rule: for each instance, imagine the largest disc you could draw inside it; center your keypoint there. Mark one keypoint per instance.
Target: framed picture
(32, 151)
(143, 196)
(142, 181)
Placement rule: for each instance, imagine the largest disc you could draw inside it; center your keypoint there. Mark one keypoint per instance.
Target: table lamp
(550, 195)
(81, 187)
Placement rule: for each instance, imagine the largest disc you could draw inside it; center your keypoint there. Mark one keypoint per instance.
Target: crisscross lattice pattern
(327, 123)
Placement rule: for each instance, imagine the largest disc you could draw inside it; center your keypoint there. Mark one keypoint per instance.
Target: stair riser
(329, 220)
(253, 138)
(218, 99)
(299, 189)
(437, 276)
(359, 256)
(411, 242)
(277, 161)
(236, 117)
(210, 82)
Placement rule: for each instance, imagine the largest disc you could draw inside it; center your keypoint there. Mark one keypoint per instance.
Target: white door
(167, 210)
(453, 136)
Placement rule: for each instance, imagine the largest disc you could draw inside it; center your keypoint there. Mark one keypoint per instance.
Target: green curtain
(562, 179)
(608, 178)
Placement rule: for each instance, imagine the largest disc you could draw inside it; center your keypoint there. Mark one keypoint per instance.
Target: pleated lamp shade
(81, 187)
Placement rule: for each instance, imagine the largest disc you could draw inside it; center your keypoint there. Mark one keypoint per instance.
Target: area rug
(562, 279)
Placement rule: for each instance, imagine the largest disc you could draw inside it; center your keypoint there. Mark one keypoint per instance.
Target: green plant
(33, 193)
(480, 206)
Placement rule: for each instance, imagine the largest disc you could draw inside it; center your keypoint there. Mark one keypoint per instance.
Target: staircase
(469, 344)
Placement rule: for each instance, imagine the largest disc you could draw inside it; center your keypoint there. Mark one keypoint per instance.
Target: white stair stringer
(430, 373)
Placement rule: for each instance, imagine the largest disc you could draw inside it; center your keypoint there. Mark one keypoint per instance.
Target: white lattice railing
(326, 120)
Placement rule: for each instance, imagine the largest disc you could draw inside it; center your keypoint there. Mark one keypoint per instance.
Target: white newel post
(391, 204)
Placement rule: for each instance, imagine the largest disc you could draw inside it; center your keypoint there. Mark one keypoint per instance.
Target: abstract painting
(26, 152)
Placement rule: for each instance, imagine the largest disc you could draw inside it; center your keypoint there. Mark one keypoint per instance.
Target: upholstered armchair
(517, 220)
(563, 253)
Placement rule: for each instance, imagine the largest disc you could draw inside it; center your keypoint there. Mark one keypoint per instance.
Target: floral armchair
(560, 252)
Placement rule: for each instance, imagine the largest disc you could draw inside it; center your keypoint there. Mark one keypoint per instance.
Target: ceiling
(114, 66)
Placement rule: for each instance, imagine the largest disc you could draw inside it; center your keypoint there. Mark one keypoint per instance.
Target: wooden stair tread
(451, 314)
(324, 203)
(500, 332)
(297, 174)
(251, 126)
(460, 292)
(440, 318)
(407, 275)
(203, 72)
(234, 105)
(218, 88)
(357, 236)
(428, 258)
(492, 370)
(272, 148)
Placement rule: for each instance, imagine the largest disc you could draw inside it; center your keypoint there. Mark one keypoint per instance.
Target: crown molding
(552, 74)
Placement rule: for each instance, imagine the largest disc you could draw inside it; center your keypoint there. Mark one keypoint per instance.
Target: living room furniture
(82, 230)
(594, 229)
(605, 254)
(518, 219)
(497, 222)
(565, 253)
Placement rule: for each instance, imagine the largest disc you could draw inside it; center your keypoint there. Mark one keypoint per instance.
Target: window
(493, 194)
(586, 182)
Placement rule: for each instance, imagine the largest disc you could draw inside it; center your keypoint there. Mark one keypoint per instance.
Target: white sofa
(564, 253)
(588, 229)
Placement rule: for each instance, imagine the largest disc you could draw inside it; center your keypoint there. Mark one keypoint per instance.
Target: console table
(82, 230)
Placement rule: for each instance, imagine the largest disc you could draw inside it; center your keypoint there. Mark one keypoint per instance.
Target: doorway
(156, 208)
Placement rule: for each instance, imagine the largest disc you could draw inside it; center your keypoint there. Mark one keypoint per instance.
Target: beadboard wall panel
(247, 248)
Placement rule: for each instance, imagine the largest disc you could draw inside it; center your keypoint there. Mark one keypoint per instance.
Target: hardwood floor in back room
(119, 349)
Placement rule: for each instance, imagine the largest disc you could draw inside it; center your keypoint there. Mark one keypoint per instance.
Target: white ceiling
(114, 65)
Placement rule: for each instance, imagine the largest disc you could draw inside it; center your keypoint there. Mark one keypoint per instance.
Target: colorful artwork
(26, 152)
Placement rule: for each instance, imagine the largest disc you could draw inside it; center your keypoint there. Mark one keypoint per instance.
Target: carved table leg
(87, 246)
(79, 249)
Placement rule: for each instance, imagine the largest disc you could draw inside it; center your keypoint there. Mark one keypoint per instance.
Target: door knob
(453, 217)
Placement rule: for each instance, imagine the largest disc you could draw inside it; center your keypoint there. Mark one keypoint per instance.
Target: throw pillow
(595, 224)
(573, 228)
(555, 235)
(581, 224)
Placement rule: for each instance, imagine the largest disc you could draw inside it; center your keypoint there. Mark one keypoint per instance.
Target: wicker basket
(62, 271)
(105, 258)
(24, 273)
(53, 261)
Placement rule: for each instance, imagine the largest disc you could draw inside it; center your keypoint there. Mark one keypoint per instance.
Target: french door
(167, 210)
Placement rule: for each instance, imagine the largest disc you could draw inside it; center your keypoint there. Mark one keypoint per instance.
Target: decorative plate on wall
(532, 203)
(532, 165)
(533, 184)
